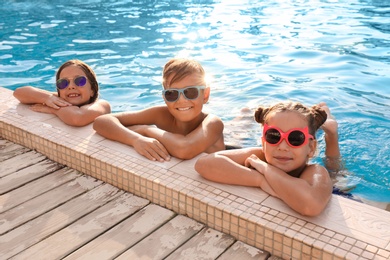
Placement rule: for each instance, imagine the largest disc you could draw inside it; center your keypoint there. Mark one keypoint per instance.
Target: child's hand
(254, 162)
(56, 102)
(151, 149)
(42, 109)
(330, 126)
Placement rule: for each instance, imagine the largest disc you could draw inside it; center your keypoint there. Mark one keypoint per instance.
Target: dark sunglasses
(295, 137)
(190, 93)
(79, 81)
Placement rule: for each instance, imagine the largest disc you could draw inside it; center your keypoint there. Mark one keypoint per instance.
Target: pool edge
(264, 223)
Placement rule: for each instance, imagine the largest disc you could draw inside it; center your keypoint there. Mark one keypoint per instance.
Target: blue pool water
(256, 52)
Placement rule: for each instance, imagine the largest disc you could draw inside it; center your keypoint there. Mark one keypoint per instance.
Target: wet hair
(178, 68)
(314, 115)
(91, 76)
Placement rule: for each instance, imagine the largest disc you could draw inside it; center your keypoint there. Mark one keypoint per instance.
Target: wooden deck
(49, 211)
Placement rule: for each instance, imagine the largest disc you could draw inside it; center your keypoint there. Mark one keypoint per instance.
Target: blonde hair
(178, 68)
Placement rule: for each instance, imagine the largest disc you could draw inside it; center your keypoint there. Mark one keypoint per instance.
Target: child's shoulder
(316, 168)
(213, 119)
(101, 101)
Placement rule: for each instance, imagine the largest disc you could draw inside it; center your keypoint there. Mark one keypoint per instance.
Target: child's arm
(330, 128)
(309, 194)
(84, 115)
(115, 127)
(206, 135)
(332, 149)
(77, 116)
(228, 167)
(31, 95)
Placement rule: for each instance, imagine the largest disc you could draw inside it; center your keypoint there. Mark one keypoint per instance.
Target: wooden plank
(43, 203)
(165, 240)
(85, 229)
(35, 188)
(34, 231)
(243, 251)
(9, 149)
(124, 235)
(207, 244)
(19, 162)
(28, 174)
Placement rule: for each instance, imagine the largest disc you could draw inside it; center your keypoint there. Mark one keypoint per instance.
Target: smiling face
(183, 109)
(284, 156)
(75, 95)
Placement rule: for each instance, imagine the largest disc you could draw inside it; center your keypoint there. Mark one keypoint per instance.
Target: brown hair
(314, 115)
(178, 68)
(88, 72)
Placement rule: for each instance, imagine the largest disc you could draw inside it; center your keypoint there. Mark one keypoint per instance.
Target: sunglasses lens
(171, 95)
(272, 136)
(62, 83)
(80, 81)
(296, 138)
(191, 93)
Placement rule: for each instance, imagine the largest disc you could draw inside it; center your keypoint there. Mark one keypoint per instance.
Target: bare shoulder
(104, 104)
(213, 119)
(100, 105)
(316, 172)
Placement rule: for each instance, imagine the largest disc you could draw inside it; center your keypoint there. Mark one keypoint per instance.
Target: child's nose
(72, 84)
(181, 96)
(283, 145)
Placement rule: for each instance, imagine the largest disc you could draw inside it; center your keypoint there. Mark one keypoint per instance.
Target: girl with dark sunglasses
(179, 128)
(280, 167)
(76, 101)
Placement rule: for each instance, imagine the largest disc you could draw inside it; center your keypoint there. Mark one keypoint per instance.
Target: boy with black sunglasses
(180, 128)
(280, 167)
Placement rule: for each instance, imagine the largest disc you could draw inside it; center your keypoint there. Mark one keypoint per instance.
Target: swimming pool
(256, 52)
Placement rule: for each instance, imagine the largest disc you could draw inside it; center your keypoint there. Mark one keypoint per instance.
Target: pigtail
(319, 116)
(260, 114)
(314, 115)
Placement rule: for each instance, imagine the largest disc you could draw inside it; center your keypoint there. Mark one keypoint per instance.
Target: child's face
(284, 156)
(73, 94)
(184, 109)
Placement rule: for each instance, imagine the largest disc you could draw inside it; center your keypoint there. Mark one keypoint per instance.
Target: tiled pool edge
(252, 223)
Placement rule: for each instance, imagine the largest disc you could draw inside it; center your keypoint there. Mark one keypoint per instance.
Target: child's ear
(313, 148)
(206, 95)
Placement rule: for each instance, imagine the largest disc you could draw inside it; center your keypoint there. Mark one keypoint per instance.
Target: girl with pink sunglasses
(76, 101)
(280, 167)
